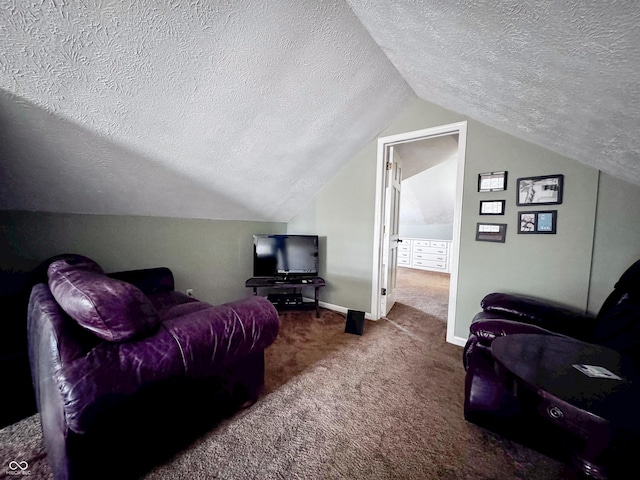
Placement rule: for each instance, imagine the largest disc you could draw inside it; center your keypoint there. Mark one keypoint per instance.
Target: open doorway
(427, 202)
(403, 145)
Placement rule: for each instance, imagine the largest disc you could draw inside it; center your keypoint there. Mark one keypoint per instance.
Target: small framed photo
(537, 222)
(492, 207)
(492, 181)
(491, 232)
(545, 190)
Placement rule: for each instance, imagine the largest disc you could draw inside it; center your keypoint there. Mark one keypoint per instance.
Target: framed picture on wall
(545, 190)
(492, 207)
(491, 232)
(537, 222)
(492, 181)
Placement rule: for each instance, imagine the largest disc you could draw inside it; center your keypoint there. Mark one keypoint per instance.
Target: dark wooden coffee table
(600, 411)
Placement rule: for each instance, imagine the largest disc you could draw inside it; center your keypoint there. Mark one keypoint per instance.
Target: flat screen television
(285, 255)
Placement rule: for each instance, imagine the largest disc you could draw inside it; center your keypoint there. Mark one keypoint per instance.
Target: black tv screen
(284, 255)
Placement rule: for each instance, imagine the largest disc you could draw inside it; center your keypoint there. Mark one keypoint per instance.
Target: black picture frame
(492, 181)
(491, 232)
(538, 222)
(492, 207)
(542, 190)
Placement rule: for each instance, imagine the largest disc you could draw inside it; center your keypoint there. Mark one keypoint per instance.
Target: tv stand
(288, 300)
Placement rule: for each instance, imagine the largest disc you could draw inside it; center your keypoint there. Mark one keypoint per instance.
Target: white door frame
(460, 129)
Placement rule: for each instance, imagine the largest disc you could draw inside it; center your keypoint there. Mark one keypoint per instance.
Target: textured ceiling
(561, 74)
(245, 109)
(226, 110)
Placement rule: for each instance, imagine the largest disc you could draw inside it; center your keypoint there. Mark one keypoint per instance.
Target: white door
(393, 180)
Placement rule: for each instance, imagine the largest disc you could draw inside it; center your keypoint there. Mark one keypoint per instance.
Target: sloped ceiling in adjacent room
(244, 109)
(422, 155)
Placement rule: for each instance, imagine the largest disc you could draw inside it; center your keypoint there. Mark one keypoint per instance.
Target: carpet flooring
(424, 290)
(384, 405)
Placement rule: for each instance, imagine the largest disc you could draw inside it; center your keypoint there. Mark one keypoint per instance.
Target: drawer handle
(555, 412)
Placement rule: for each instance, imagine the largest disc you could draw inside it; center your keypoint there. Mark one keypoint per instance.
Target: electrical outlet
(190, 292)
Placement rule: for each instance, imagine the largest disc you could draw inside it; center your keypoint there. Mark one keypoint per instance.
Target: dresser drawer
(422, 243)
(432, 250)
(429, 264)
(430, 256)
(424, 254)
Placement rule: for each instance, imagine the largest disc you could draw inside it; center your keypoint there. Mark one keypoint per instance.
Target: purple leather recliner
(127, 370)
(490, 399)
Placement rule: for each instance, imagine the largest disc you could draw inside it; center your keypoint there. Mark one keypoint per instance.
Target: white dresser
(425, 254)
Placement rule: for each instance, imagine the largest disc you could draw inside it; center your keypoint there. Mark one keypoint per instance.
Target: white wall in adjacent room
(427, 200)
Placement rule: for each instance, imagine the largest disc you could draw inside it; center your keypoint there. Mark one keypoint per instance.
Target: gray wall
(617, 236)
(214, 257)
(557, 267)
(342, 215)
(343, 212)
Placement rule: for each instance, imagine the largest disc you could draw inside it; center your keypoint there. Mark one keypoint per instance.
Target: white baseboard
(344, 310)
(459, 341)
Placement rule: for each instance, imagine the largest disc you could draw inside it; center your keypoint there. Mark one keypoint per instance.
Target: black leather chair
(490, 400)
(15, 288)
(19, 398)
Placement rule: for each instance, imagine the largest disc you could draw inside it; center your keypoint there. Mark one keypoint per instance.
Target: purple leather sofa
(127, 370)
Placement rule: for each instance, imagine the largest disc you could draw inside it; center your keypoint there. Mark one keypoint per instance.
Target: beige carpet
(385, 405)
(424, 290)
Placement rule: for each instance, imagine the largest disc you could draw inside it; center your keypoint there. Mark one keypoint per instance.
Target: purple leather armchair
(126, 370)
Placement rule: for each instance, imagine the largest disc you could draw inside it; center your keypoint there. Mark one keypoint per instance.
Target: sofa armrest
(547, 315)
(487, 326)
(224, 334)
(66, 337)
(149, 280)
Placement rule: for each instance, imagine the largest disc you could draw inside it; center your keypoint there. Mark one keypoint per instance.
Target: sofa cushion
(112, 309)
(182, 309)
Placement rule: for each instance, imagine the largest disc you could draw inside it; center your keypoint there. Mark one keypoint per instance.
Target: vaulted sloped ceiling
(561, 74)
(197, 109)
(244, 109)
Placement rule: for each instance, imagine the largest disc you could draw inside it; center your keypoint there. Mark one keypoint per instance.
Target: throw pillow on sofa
(112, 309)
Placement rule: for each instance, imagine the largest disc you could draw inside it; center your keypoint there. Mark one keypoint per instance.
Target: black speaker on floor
(355, 322)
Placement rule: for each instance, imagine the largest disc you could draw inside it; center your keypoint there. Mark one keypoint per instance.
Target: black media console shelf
(288, 299)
